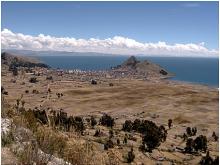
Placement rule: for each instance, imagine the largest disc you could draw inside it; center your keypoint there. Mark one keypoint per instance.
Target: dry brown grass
(186, 104)
(51, 142)
(180, 119)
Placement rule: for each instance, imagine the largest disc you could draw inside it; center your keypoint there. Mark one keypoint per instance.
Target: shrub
(31, 120)
(35, 91)
(188, 131)
(111, 84)
(215, 136)
(130, 157)
(14, 70)
(194, 131)
(163, 133)
(41, 116)
(118, 142)
(2, 88)
(93, 121)
(108, 144)
(127, 126)
(97, 133)
(48, 90)
(107, 120)
(33, 80)
(189, 146)
(136, 124)
(153, 136)
(200, 143)
(79, 125)
(4, 92)
(93, 82)
(125, 141)
(170, 123)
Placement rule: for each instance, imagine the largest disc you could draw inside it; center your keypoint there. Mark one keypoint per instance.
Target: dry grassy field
(129, 99)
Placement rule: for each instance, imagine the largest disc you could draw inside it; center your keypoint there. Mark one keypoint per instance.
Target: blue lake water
(196, 70)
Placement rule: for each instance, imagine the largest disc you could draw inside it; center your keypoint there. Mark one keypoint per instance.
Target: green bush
(107, 120)
(130, 157)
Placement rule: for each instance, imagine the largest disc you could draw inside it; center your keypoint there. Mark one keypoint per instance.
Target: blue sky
(145, 22)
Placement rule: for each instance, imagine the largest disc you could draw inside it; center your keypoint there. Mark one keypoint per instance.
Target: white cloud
(115, 45)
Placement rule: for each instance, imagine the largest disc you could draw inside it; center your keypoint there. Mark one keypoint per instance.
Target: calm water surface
(196, 70)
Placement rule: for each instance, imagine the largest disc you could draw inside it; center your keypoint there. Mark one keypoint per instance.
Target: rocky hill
(143, 67)
(20, 61)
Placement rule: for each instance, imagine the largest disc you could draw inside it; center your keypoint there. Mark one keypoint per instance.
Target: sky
(150, 28)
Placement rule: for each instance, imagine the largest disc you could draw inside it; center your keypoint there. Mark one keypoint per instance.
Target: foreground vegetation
(50, 133)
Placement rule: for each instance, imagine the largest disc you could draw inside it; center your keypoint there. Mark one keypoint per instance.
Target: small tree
(13, 69)
(163, 133)
(188, 131)
(127, 126)
(200, 143)
(136, 125)
(189, 146)
(93, 121)
(170, 123)
(15, 72)
(130, 156)
(194, 131)
(107, 120)
(79, 125)
(215, 136)
(48, 90)
(151, 140)
(125, 141)
(93, 82)
(108, 144)
(118, 142)
(111, 84)
(152, 135)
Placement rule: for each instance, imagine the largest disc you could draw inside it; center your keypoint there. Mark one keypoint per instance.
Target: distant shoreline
(189, 70)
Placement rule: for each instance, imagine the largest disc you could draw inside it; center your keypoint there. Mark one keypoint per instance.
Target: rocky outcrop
(145, 67)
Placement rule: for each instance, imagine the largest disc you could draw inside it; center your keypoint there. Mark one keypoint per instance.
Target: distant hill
(20, 61)
(143, 67)
(54, 53)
